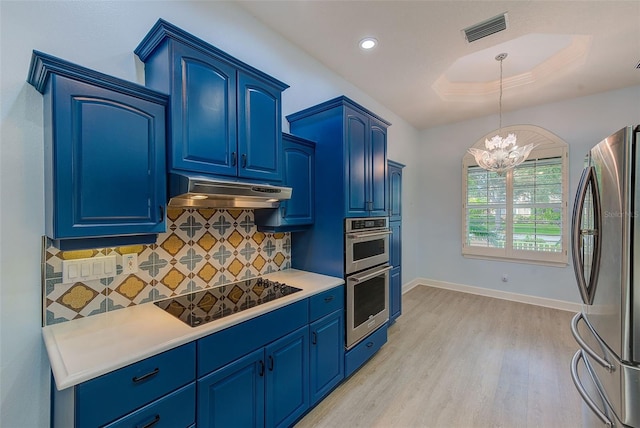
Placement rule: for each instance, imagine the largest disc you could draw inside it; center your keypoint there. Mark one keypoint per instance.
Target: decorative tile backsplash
(202, 248)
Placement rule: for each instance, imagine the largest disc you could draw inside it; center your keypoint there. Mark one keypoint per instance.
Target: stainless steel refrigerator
(606, 259)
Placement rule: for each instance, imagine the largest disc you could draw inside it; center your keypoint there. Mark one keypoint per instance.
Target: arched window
(522, 215)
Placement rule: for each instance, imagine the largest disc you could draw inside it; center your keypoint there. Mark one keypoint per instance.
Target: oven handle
(370, 275)
(368, 235)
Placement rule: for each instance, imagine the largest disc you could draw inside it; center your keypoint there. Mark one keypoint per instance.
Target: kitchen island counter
(86, 348)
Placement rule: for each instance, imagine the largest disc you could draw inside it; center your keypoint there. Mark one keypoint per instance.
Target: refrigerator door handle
(583, 393)
(576, 334)
(588, 180)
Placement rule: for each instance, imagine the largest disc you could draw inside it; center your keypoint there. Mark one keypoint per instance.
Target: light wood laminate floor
(459, 360)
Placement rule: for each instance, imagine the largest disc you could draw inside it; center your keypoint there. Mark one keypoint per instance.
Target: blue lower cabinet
(233, 396)
(175, 410)
(113, 395)
(327, 354)
(268, 387)
(287, 379)
(364, 350)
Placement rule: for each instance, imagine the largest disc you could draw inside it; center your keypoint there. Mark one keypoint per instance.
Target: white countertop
(86, 348)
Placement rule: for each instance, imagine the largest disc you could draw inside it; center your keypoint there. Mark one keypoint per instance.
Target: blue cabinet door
(327, 354)
(378, 170)
(299, 174)
(395, 191)
(358, 164)
(233, 396)
(203, 113)
(395, 278)
(395, 248)
(287, 378)
(395, 294)
(259, 129)
(106, 162)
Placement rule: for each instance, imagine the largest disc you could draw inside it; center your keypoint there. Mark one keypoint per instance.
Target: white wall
(102, 36)
(581, 123)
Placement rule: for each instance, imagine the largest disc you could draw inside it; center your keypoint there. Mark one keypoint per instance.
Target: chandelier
(501, 154)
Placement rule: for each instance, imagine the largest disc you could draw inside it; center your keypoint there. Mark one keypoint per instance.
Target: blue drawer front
(364, 350)
(115, 394)
(175, 410)
(223, 347)
(326, 302)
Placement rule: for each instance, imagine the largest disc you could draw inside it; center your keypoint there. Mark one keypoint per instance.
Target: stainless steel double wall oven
(367, 276)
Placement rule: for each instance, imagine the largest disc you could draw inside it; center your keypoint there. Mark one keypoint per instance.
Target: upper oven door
(365, 249)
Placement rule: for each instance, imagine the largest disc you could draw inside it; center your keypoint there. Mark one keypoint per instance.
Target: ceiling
(425, 71)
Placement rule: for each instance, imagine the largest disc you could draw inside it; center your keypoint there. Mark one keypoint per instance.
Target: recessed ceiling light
(368, 43)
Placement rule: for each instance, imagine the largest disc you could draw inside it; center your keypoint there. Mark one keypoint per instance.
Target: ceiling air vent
(486, 28)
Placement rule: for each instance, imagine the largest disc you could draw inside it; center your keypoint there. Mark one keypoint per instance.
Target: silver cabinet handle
(576, 335)
(583, 393)
(369, 276)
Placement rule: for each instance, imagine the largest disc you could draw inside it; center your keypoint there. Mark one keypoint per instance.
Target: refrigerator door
(618, 383)
(609, 312)
(635, 279)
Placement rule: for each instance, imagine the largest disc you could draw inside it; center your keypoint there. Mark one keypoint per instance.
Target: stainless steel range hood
(200, 191)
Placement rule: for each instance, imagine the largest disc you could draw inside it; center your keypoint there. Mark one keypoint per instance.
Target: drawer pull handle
(152, 423)
(369, 344)
(315, 338)
(146, 376)
(244, 160)
(261, 372)
(233, 159)
(270, 363)
(328, 298)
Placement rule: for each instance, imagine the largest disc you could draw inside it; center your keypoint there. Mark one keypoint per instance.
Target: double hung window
(521, 215)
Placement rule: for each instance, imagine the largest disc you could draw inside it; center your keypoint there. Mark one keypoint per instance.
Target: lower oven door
(367, 302)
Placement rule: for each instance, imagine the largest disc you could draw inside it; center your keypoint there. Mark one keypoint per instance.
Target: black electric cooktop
(209, 305)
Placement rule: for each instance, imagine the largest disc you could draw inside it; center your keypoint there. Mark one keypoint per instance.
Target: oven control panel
(355, 224)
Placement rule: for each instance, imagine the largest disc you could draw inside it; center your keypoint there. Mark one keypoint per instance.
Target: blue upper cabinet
(351, 152)
(225, 114)
(299, 174)
(105, 172)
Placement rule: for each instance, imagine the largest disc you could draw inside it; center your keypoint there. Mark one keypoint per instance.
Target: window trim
(547, 145)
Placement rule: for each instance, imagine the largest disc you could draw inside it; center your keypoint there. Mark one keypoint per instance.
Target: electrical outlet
(279, 245)
(129, 263)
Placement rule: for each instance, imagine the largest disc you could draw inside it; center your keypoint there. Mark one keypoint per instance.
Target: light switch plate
(88, 269)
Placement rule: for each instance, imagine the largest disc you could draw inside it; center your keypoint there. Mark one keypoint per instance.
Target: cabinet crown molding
(44, 65)
(163, 30)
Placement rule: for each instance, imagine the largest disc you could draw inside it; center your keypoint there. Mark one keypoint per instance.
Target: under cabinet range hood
(199, 191)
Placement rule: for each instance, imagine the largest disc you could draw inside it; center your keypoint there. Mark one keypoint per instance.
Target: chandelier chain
(500, 99)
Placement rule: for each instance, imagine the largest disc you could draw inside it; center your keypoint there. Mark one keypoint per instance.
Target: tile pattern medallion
(202, 249)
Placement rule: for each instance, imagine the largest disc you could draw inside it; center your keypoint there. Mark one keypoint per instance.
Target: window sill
(550, 263)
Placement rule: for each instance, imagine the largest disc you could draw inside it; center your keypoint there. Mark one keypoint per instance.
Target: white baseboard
(505, 295)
